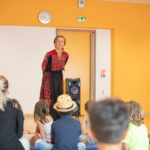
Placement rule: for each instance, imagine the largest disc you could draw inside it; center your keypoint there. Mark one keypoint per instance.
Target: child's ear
(125, 133)
(92, 133)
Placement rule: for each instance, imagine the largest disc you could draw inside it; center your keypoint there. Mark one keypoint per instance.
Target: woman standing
(52, 66)
(11, 121)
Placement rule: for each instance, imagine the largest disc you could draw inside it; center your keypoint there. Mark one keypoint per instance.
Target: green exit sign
(81, 19)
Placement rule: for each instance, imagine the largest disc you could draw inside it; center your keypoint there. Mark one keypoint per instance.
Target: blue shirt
(66, 131)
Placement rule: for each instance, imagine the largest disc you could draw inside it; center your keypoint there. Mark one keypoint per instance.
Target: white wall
(21, 53)
(103, 62)
(22, 50)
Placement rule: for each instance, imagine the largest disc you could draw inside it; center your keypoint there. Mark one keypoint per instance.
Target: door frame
(102, 60)
(93, 60)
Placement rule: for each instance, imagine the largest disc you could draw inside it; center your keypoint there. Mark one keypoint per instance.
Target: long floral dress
(52, 82)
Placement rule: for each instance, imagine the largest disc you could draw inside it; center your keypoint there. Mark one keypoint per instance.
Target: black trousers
(56, 90)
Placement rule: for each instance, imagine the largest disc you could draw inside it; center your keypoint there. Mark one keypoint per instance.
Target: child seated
(109, 122)
(44, 122)
(11, 121)
(137, 137)
(65, 131)
(86, 136)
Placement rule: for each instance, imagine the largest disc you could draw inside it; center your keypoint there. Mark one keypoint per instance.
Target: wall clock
(44, 17)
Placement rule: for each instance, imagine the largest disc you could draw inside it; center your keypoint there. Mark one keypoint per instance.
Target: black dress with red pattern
(52, 82)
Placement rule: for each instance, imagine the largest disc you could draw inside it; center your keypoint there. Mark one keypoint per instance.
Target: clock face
(44, 17)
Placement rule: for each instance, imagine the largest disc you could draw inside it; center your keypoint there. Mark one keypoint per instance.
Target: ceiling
(129, 1)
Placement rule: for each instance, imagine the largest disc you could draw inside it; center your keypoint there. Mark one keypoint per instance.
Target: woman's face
(59, 44)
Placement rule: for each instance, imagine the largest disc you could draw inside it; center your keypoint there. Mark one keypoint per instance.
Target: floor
(29, 126)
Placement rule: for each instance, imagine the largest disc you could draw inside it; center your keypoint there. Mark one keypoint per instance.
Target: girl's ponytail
(3, 88)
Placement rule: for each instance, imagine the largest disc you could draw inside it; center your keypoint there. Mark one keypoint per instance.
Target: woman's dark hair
(61, 37)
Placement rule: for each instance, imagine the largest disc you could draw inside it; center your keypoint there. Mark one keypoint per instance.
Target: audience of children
(109, 122)
(137, 137)
(11, 121)
(86, 135)
(65, 131)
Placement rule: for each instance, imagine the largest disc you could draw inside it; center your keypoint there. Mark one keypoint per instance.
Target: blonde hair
(41, 111)
(136, 113)
(3, 88)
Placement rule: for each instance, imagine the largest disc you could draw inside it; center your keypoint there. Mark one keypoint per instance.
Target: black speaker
(73, 89)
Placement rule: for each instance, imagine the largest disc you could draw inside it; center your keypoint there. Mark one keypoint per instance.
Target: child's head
(64, 105)
(109, 120)
(41, 110)
(87, 105)
(136, 113)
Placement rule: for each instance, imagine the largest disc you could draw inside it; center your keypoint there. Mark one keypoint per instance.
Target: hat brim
(74, 105)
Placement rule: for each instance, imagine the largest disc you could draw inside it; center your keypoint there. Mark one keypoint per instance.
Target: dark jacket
(11, 127)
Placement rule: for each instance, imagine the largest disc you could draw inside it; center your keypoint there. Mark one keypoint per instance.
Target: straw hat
(64, 103)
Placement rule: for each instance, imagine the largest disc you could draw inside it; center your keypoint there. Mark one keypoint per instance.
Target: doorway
(78, 45)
